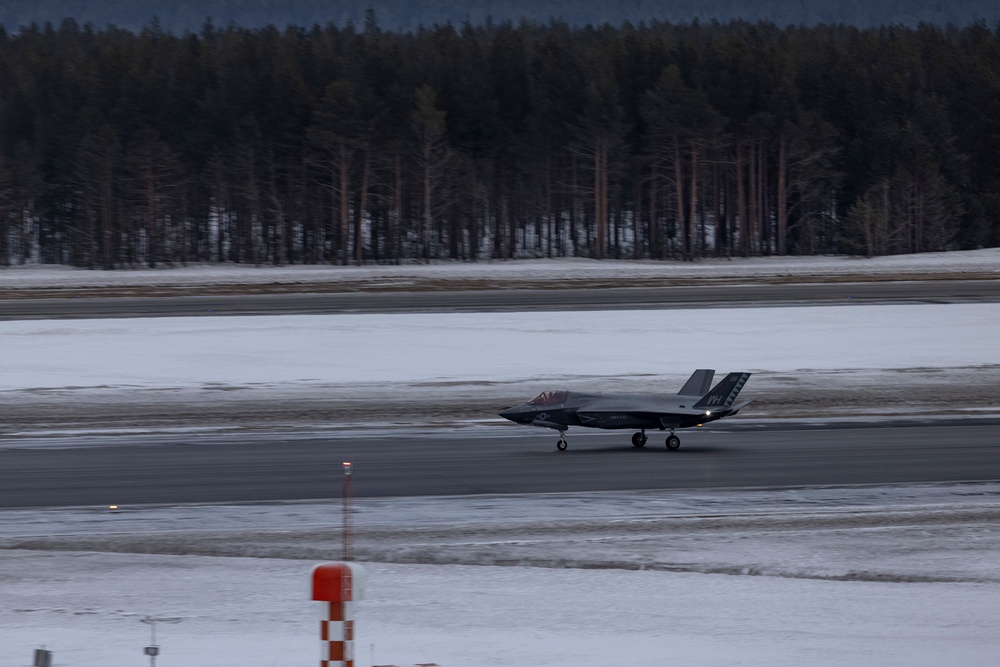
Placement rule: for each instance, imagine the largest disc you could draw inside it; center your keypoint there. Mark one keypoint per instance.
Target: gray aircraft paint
(694, 405)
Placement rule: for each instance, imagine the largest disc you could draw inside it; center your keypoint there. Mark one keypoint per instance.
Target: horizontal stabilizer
(698, 384)
(739, 406)
(724, 393)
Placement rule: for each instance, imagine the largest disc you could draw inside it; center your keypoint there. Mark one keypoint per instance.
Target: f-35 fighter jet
(694, 405)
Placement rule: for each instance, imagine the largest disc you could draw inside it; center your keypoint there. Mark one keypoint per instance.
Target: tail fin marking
(724, 393)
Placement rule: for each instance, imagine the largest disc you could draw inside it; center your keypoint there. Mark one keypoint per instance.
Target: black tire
(638, 440)
(673, 442)
(561, 445)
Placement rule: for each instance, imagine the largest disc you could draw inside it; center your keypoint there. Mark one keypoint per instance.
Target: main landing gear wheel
(561, 445)
(639, 439)
(673, 442)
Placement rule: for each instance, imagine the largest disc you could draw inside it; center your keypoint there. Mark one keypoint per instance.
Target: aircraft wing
(638, 405)
(733, 409)
(650, 404)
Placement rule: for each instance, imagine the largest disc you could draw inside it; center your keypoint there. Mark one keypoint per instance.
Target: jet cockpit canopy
(547, 398)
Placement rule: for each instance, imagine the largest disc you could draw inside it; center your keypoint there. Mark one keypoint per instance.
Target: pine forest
(353, 144)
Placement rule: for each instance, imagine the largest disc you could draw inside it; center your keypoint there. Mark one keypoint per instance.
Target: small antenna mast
(348, 554)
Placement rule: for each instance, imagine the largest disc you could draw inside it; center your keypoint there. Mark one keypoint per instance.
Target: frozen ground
(915, 533)
(38, 280)
(440, 369)
(886, 576)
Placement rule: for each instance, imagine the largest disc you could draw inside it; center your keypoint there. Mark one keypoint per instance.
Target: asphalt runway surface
(744, 295)
(259, 466)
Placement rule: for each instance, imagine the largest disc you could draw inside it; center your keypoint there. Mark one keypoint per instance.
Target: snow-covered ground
(548, 272)
(887, 576)
(255, 612)
(441, 368)
(761, 532)
(533, 348)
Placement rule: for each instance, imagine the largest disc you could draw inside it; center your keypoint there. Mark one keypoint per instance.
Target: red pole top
(338, 582)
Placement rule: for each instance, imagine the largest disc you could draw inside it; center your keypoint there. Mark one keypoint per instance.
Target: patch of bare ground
(808, 394)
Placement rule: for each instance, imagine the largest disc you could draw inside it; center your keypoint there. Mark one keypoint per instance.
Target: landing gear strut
(673, 442)
(562, 444)
(639, 439)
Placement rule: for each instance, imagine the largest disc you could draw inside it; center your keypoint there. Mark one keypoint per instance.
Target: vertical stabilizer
(724, 393)
(698, 384)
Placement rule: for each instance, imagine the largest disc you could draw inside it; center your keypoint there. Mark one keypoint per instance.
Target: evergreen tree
(358, 143)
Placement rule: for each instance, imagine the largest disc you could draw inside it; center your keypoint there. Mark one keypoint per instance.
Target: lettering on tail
(724, 393)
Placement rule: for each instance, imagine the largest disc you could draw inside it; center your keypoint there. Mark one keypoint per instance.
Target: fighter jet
(694, 405)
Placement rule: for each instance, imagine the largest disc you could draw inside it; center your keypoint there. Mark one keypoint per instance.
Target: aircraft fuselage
(597, 411)
(562, 409)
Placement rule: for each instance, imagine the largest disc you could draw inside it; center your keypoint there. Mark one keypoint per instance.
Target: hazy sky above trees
(190, 15)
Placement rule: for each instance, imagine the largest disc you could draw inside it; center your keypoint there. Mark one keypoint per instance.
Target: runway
(258, 466)
(684, 296)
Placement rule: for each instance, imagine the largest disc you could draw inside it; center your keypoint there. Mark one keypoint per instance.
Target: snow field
(495, 348)
(238, 611)
(85, 603)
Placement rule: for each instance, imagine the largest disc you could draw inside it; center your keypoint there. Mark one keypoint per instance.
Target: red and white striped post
(337, 586)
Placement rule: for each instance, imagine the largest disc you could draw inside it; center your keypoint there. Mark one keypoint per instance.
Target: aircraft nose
(513, 414)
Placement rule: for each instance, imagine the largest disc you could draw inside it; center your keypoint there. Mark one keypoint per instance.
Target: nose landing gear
(639, 439)
(561, 445)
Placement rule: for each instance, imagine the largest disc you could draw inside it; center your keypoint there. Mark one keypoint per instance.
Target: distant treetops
(359, 144)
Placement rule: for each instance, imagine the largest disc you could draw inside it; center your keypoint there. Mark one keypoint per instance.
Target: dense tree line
(495, 141)
(406, 15)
